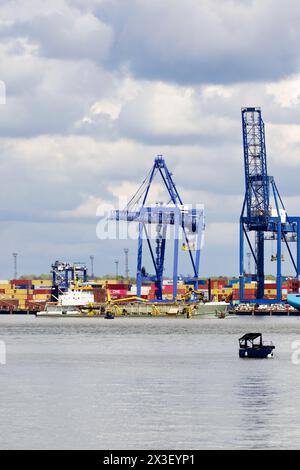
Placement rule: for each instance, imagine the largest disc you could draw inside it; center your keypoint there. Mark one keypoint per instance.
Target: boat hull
(109, 316)
(259, 353)
(294, 300)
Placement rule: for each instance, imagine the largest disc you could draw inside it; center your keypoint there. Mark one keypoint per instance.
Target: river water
(146, 383)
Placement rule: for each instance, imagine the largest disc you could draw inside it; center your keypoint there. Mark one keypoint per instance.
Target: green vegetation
(108, 277)
(33, 276)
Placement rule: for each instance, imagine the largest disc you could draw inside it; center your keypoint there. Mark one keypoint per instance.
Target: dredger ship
(81, 302)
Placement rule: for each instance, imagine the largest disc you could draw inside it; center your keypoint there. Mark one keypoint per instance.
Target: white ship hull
(211, 309)
(59, 311)
(69, 304)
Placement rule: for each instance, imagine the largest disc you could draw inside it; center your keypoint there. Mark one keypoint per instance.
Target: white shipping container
(144, 290)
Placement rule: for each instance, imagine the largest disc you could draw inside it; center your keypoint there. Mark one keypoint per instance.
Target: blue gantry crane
(65, 274)
(187, 222)
(263, 213)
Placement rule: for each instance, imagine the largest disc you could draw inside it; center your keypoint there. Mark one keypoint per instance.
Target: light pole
(249, 262)
(15, 265)
(117, 268)
(92, 266)
(126, 251)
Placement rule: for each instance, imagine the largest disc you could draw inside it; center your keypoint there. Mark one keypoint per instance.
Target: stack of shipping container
(25, 294)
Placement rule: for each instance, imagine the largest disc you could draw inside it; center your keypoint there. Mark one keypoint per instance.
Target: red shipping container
(16, 282)
(203, 284)
(118, 293)
(117, 286)
(167, 289)
(9, 304)
(42, 291)
(31, 305)
(222, 297)
(99, 295)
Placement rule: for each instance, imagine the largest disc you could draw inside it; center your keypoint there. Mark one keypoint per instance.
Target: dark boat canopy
(250, 336)
(256, 349)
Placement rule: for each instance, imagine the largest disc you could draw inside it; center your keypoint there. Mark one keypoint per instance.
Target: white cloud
(285, 145)
(205, 42)
(88, 208)
(95, 92)
(286, 92)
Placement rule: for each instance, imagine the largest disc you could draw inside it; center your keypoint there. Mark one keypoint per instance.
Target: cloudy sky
(96, 88)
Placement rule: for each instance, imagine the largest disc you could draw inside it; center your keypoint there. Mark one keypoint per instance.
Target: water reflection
(257, 400)
(146, 383)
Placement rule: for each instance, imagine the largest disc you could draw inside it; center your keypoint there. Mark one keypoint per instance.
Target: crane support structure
(263, 212)
(186, 222)
(65, 274)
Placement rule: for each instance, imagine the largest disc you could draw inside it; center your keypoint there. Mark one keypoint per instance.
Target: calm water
(146, 383)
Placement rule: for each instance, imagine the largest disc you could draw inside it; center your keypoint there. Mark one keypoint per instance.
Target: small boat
(220, 314)
(294, 300)
(109, 316)
(252, 346)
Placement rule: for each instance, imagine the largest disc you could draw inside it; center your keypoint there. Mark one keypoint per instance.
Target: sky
(95, 89)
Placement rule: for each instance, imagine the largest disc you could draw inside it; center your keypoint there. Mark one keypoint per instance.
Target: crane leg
(260, 265)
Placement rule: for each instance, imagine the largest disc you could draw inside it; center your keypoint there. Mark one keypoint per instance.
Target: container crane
(263, 212)
(188, 221)
(65, 274)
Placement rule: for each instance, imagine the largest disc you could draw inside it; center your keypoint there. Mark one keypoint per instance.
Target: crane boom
(256, 176)
(185, 221)
(258, 216)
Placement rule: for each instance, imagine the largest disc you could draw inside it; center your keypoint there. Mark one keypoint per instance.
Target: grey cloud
(101, 127)
(149, 120)
(65, 35)
(204, 42)
(181, 42)
(52, 158)
(49, 96)
(39, 244)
